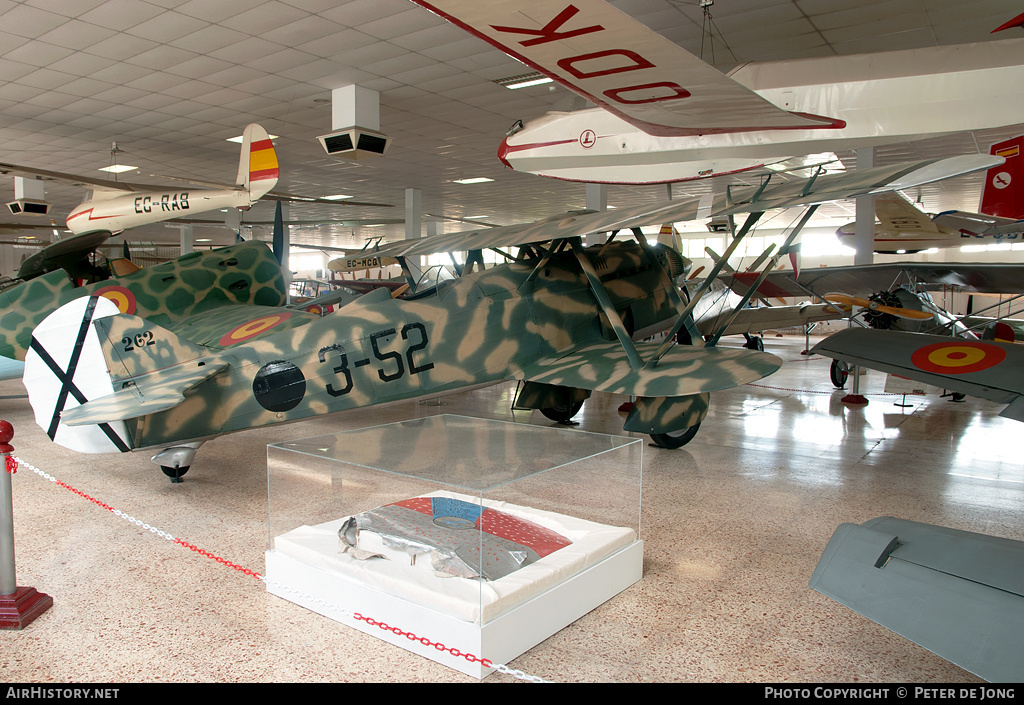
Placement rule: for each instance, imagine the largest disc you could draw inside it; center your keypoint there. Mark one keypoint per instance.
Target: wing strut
(667, 343)
(606, 305)
(764, 273)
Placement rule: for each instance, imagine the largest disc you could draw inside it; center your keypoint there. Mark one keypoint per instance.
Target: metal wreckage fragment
(461, 539)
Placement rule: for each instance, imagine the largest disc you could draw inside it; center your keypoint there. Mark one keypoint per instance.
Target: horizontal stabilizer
(986, 369)
(134, 401)
(956, 593)
(683, 371)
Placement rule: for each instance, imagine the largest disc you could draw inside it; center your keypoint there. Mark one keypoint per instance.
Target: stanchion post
(18, 605)
(856, 398)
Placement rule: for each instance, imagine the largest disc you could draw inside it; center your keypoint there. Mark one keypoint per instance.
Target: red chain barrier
(423, 640)
(218, 559)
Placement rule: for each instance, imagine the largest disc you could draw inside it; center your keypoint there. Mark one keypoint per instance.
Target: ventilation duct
(355, 119)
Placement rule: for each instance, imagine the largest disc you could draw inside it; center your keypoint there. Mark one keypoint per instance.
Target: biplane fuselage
(507, 322)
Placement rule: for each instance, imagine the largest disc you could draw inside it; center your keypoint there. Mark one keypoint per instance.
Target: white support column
(597, 200)
(186, 239)
(864, 227)
(413, 213)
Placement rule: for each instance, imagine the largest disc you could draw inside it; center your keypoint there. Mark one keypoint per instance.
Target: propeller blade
(846, 301)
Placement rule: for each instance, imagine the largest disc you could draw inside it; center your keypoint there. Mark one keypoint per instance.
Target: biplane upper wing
(987, 369)
(606, 56)
(830, 187)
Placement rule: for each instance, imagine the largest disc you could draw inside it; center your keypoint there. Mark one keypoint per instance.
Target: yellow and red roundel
(957, 358)
(124, 299)
(246, 331)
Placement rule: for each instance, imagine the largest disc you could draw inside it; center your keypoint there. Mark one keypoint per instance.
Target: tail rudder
(91, 370)
(1003, 194)
(61, 373)
(257, 162)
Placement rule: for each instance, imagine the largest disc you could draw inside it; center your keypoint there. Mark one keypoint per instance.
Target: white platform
(499, 640)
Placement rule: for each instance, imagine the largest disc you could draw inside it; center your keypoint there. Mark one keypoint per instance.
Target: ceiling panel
(170, 81)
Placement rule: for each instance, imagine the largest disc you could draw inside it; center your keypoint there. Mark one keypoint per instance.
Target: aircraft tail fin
(60, 373)
(257, 162)
(1003, 194)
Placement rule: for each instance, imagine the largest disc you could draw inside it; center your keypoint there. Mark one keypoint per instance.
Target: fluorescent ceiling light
(239, 138)
(477, 180)
(524, 80)
(336, 197)
(118, 168)
(471, 217)
(531, 82)
(204, 239)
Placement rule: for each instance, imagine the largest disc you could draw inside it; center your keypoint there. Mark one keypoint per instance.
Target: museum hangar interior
(159, 581)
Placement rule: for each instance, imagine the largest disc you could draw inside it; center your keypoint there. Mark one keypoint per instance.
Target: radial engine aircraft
(896, 297)
(664, 115)
(903, 228)
(562, 318)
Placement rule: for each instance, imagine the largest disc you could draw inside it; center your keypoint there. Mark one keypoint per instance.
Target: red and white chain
(13, 463)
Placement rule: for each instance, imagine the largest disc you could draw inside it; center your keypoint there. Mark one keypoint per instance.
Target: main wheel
(755, 342)
(175, 473)
(675, 439)
(562, 415)
(839, 372)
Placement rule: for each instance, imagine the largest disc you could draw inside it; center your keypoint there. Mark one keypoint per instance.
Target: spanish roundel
(247, 331)
(957, 357)
(122, 297)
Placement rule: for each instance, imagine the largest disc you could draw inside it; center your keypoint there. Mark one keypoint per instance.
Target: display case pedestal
(499, 641)
(584, 487)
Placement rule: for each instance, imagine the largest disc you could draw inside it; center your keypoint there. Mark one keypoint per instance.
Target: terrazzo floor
(733, 525)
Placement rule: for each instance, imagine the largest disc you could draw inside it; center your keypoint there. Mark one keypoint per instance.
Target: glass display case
(485, 536)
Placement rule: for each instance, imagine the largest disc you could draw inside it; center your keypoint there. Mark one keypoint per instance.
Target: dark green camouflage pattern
(206, 285)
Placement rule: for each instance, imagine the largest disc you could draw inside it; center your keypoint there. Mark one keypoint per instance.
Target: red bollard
(18, 605)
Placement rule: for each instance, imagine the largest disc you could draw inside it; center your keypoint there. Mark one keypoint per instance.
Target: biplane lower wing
(683, 371)
(751, 320)
(956, 593)
(987, 369)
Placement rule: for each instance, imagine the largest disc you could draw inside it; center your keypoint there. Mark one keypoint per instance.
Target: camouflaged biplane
(564, 319)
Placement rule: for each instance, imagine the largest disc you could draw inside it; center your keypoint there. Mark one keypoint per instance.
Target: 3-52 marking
(394, 365)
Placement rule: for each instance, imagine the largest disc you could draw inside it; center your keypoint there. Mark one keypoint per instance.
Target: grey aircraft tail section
(956, 593)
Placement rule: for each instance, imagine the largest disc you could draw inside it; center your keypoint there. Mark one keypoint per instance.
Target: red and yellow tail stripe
(262, 161)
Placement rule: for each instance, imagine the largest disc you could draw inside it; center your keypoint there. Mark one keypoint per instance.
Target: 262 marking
(139, 340)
